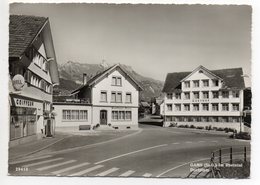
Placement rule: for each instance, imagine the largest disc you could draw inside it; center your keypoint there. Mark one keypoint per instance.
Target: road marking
(149, 148)
(55, 165)
(42, 162)
(188, 142)
(102, 174)
(184, 164)
(69, 168)
(202, 141)
(175, 143)
(127, 173)
(86, 171)
(214, 141)
(30, 159)
(147, 175)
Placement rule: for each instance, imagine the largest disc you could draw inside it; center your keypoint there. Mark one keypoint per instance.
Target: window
(224, 119)
(205, 106)
(214, 107)
(128, 98)
(187, 107)
(205, 95)
(187, 95)
(215, 83)
(178, 96)
(235, 107)
(225, 94)
(169, 96)
(177, 107)
(235, 119)
(169, 107)
(128, 115)
(205, 83)
(195, 107)
(119, 97)
(74, 115)
(224, 106)
(196, 83)
(113, 80)
(235, 94)
(113, 96)
(187, 84)
(169, 118)
(103, 96)
(196, 95)
(215, 94)
(116, 81)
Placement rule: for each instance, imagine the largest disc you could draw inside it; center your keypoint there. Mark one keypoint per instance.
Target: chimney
(84, 78)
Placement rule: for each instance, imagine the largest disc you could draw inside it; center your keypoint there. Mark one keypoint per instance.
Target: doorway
(103, 117)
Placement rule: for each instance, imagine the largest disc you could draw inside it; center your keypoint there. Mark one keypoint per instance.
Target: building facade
(111, 99)
(32, 74)
(204, 98)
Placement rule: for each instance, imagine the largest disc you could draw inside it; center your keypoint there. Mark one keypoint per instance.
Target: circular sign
(18, 82)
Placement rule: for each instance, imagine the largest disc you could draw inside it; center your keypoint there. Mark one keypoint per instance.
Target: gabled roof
(208, 73)
(100, 76)
(232, 78)
(22, 31)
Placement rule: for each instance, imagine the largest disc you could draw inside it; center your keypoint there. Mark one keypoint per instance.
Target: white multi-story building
(109, 99)
(32, 73)
(204, 98)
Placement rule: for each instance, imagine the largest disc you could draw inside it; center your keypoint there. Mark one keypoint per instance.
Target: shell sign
(18, 82)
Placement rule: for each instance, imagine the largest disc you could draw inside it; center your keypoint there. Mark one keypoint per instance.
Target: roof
(22, 31)
(99, 76)
(144, 104)
(232, 78)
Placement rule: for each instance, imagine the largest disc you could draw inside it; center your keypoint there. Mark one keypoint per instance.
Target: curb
(38, 150)
(79, 147)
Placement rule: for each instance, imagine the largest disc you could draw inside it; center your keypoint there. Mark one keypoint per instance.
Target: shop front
(25, 119)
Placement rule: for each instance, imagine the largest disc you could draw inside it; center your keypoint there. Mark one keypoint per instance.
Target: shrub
(109, 124)
(215, 128)
(181, 126)
(97, 125)
(242, 135)
(192, 126)
(220, 129)
(199, 127)
(186, 126)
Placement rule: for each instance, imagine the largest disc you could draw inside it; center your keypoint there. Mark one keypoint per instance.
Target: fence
(218, 159)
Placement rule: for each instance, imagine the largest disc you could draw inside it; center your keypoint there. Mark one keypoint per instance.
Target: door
(103, 117)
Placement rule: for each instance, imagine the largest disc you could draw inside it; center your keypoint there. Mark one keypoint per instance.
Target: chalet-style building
(204, 98)
(32, 73)
(109, 99)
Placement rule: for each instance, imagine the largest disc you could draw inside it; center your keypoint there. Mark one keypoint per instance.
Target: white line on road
(86, 171)
(184, 164)
(69, 168)
(147, 175)
(42, 162)
(55, 165)
(111, 170)
(149, 148)
(175, 143)
(202, 141)
(188, 142)
(127, 173)
(29, 159)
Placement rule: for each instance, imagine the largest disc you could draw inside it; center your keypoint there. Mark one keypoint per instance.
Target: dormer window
(116, 81)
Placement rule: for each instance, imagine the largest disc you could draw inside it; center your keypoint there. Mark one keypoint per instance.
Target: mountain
(71, 77)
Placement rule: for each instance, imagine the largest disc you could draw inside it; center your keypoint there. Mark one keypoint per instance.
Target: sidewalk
(25, 149)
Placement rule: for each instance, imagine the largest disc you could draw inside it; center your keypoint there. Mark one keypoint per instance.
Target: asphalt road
(154, 152)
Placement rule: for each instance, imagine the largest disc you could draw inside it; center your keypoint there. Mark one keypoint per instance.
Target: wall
(106, 85)
(59, 122)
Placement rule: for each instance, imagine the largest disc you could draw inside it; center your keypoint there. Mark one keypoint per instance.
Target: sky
(153, 39)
